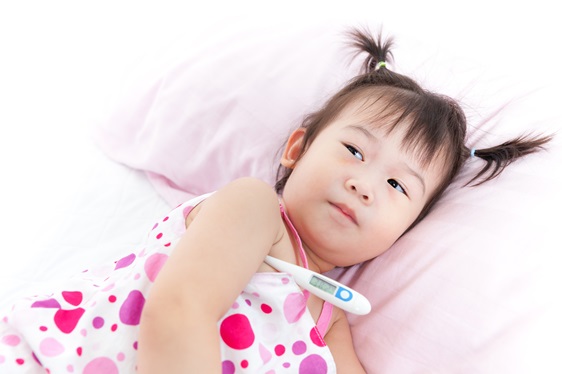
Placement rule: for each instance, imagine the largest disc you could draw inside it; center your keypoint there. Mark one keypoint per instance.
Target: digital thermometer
(325, 288)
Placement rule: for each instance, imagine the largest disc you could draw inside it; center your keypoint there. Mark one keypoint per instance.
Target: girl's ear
(293, 148)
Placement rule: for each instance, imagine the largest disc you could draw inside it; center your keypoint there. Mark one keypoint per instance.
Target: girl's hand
(223, 247)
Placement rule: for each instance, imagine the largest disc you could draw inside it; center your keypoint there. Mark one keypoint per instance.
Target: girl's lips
(346, 211)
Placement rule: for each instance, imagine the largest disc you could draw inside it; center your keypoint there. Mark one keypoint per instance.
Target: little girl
(199, 298)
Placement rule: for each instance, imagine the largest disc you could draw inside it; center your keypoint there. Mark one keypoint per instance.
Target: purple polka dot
(299, 347)
(125, 261)
(98, 322)
(130, 311)
(228, 367)
(50, 303)
(313, 364)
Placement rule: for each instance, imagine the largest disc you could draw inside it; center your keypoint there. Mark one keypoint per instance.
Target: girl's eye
(354, 152)
(397, 186)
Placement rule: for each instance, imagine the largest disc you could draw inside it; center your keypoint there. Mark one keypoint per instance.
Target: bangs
(428, 120)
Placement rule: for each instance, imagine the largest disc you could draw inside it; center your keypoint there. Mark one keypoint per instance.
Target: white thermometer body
(325, 288)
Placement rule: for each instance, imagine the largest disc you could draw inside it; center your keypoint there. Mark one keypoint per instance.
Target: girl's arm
(223, 247)
(338, 339)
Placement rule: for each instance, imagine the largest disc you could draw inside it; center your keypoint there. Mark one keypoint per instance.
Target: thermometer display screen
(323, 285)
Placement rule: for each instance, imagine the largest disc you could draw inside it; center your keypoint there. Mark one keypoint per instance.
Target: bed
(114, 113)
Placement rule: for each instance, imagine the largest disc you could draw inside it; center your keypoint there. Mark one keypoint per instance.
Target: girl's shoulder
(241, 197)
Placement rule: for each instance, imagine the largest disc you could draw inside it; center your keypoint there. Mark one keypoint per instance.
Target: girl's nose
(361, 189)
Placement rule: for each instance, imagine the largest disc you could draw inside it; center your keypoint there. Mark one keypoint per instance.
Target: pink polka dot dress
(91, 324)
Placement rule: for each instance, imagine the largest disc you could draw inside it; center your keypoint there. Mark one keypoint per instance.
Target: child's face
(355, 191)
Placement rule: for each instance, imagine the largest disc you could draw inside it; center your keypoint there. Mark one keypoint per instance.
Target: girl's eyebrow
(415, 174)
(406, 167)
(364, 131)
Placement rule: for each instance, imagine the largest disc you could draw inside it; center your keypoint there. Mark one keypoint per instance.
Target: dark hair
(437, 123)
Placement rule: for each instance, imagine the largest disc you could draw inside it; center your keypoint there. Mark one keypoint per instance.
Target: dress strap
(296, 235)
(325, 318)
(327, 308)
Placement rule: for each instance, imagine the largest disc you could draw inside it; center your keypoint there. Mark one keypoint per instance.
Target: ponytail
(498, 157)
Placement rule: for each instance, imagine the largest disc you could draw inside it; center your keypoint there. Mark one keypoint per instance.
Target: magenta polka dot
(228, 367)
(249, 302)
(98, 322)
(244, 364)
(50, 347)
(155, 226)
(112, 298)
(101, 365)
(130, 311)
(72, 297)
(165, 219)
(43, 328)
(159, 235)
(286, 365)
(136, 345)
(120, 356)
(66, 320)
(284, 280)
(279, 349)
(20, 361)
(153, 265)
(316, 337)
(299, 347)
(313, 364)
(266, 308)
(236, 331)
(114, 327)
(79, 351)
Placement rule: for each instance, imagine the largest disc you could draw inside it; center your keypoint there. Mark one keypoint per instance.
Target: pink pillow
(225, 112)
(466, 291)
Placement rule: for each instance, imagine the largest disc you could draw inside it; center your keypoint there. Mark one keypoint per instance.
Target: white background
(62, 63)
